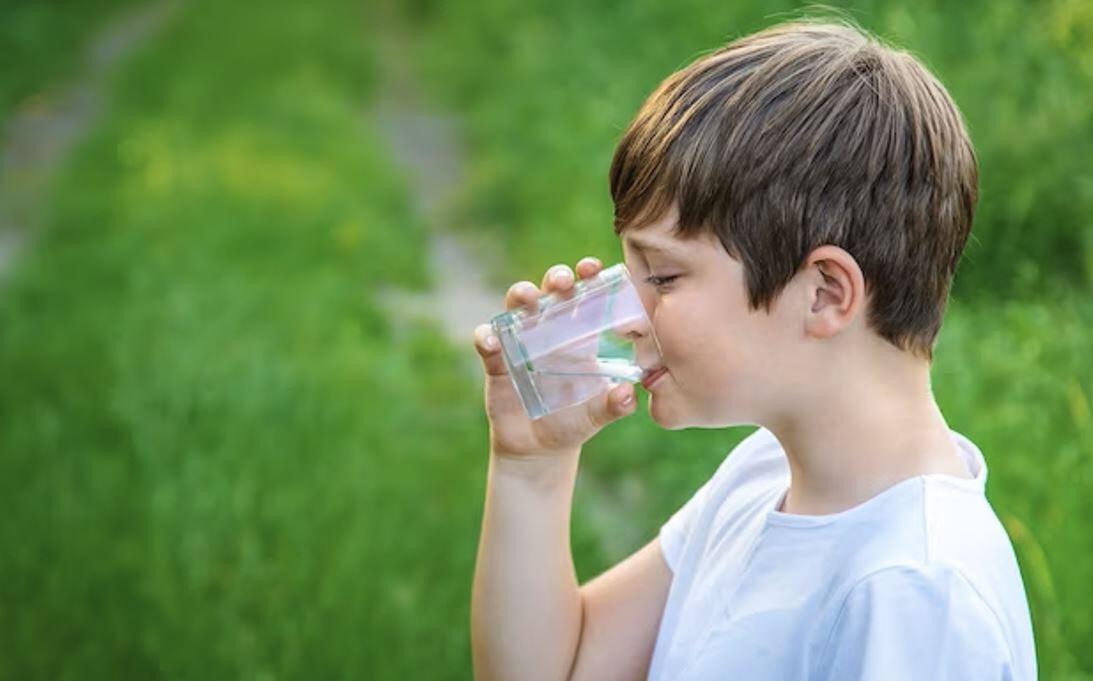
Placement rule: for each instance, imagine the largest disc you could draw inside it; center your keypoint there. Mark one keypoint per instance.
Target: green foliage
(41, 41)
(219, 461)
(212, 448)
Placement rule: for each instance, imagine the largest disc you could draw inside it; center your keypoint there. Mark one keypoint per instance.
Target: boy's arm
(622, 612)
(529, 619)
(525, 602)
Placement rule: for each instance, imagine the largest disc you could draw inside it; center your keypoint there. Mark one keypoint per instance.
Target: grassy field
(216, 460)
(45, 39)
(219, 459)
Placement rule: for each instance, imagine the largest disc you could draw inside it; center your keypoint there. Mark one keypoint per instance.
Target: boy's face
(725, 364)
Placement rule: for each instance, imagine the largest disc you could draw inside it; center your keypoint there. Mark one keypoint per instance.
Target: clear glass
(568, 349)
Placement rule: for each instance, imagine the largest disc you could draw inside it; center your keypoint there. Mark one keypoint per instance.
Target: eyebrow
(643, 245)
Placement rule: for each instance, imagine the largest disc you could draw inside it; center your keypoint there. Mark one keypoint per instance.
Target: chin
(667, 414)
(664, 416)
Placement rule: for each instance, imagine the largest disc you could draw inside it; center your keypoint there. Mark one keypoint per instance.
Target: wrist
(548, 469)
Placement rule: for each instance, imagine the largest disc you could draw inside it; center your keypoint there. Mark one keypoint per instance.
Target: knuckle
(594, 419)
(518, 291)
(558, 277)
(589, 265)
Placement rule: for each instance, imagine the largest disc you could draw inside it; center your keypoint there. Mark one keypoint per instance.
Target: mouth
(651, 376)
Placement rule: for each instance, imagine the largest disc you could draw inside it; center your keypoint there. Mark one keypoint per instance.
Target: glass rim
(608, 276)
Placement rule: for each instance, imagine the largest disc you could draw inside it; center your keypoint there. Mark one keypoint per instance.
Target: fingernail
(628, 401)
(559, 276)
(490, 342)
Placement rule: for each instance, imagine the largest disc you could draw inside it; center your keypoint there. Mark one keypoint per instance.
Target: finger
(522, 293)
(611, 406)
(489, 349)
(588, 267)
(558, 278)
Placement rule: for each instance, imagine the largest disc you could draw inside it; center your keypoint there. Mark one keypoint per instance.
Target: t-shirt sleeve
(912, 622)
(673, 533)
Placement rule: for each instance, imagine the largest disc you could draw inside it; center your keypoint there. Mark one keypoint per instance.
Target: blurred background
(242, 248)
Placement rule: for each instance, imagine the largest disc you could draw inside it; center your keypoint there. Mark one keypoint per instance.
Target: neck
(851, 443)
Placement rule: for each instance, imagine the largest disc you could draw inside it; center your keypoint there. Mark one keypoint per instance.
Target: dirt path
(41, 133)
(425, 145)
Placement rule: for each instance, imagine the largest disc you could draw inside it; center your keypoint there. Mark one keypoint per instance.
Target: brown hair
(805, 134)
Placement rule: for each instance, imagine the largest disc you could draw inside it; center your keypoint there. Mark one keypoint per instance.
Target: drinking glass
(568, 348)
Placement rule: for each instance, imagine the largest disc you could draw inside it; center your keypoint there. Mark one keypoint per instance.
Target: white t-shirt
(918, 582)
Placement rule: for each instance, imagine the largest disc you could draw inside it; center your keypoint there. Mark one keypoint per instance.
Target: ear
(835, 289)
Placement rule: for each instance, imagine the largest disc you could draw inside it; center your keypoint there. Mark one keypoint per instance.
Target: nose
(634, 328)
(639, 331)
(631, 313)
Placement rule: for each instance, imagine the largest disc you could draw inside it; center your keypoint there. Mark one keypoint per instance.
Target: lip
(651, 376)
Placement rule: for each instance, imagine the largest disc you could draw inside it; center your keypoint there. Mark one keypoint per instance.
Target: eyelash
(660, 281)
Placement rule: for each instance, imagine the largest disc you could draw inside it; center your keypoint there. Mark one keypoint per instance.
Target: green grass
(220, 461)
(217, 460)
(42, 42)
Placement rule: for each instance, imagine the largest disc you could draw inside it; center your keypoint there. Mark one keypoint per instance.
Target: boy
(796, 203)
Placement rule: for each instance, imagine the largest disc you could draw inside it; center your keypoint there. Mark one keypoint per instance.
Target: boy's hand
(512, 433)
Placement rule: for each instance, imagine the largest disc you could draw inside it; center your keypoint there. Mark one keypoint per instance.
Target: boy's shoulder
(931, 537)
(953, 626)
(928, 520)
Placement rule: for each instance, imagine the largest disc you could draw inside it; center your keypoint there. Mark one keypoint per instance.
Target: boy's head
(810, 172)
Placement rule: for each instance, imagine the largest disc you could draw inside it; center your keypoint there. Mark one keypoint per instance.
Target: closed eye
(660, 282)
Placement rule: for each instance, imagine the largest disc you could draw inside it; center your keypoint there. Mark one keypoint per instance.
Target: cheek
(698, 342)
(732, 347)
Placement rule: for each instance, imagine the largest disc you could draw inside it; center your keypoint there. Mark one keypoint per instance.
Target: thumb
(612, 405)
